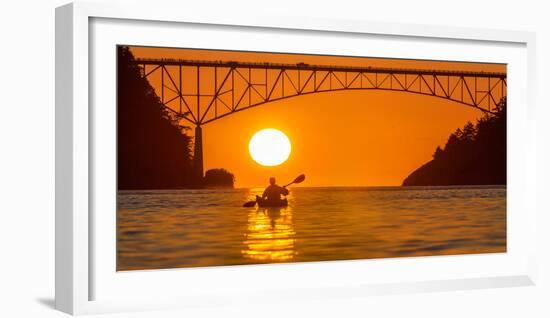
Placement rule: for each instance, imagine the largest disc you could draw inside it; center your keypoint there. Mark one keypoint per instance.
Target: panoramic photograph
(240, 158)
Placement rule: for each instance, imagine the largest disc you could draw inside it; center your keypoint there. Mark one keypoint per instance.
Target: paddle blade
(249, 204)
(300, 178)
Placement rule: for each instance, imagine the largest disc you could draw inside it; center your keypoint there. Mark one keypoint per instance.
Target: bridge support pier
(197, 156)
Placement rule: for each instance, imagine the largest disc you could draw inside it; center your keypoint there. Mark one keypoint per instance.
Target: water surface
(189, 228)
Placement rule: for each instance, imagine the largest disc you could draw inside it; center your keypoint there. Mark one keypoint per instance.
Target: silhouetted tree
(468, 132)
(473, 155)
(437, 153)
(218, 178)
(153, 149)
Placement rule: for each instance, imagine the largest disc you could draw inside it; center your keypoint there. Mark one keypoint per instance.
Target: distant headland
(473, 155)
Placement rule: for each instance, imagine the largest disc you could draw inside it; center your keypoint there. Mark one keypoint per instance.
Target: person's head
(272, 180)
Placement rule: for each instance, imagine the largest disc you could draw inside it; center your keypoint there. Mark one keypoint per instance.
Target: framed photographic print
(384, 179)
(200, 159)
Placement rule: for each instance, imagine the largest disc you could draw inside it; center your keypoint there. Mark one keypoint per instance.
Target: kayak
(265, 203)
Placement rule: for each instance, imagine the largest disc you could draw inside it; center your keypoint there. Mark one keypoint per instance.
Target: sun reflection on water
(270, 235)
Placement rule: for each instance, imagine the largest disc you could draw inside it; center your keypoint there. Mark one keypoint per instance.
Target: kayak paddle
(298, 179)
(249, 204)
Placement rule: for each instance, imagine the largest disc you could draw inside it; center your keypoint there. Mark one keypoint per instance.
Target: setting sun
(269, 147)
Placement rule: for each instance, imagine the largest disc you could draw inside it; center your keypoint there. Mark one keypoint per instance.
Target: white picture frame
(84, 285)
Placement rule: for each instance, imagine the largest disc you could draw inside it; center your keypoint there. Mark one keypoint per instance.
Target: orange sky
(345, 138)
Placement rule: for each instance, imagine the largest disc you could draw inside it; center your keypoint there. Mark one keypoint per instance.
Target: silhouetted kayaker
(272, 194)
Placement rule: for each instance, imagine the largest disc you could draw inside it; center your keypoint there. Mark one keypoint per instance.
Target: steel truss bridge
(200, 92)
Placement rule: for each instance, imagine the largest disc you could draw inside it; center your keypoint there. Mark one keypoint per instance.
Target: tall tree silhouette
(473, 155)
(153, 149)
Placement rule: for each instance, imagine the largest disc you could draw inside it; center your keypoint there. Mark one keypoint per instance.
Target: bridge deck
(313, 67)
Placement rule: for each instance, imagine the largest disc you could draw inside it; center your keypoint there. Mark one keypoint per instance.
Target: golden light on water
(269, 147)
(270, 235)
